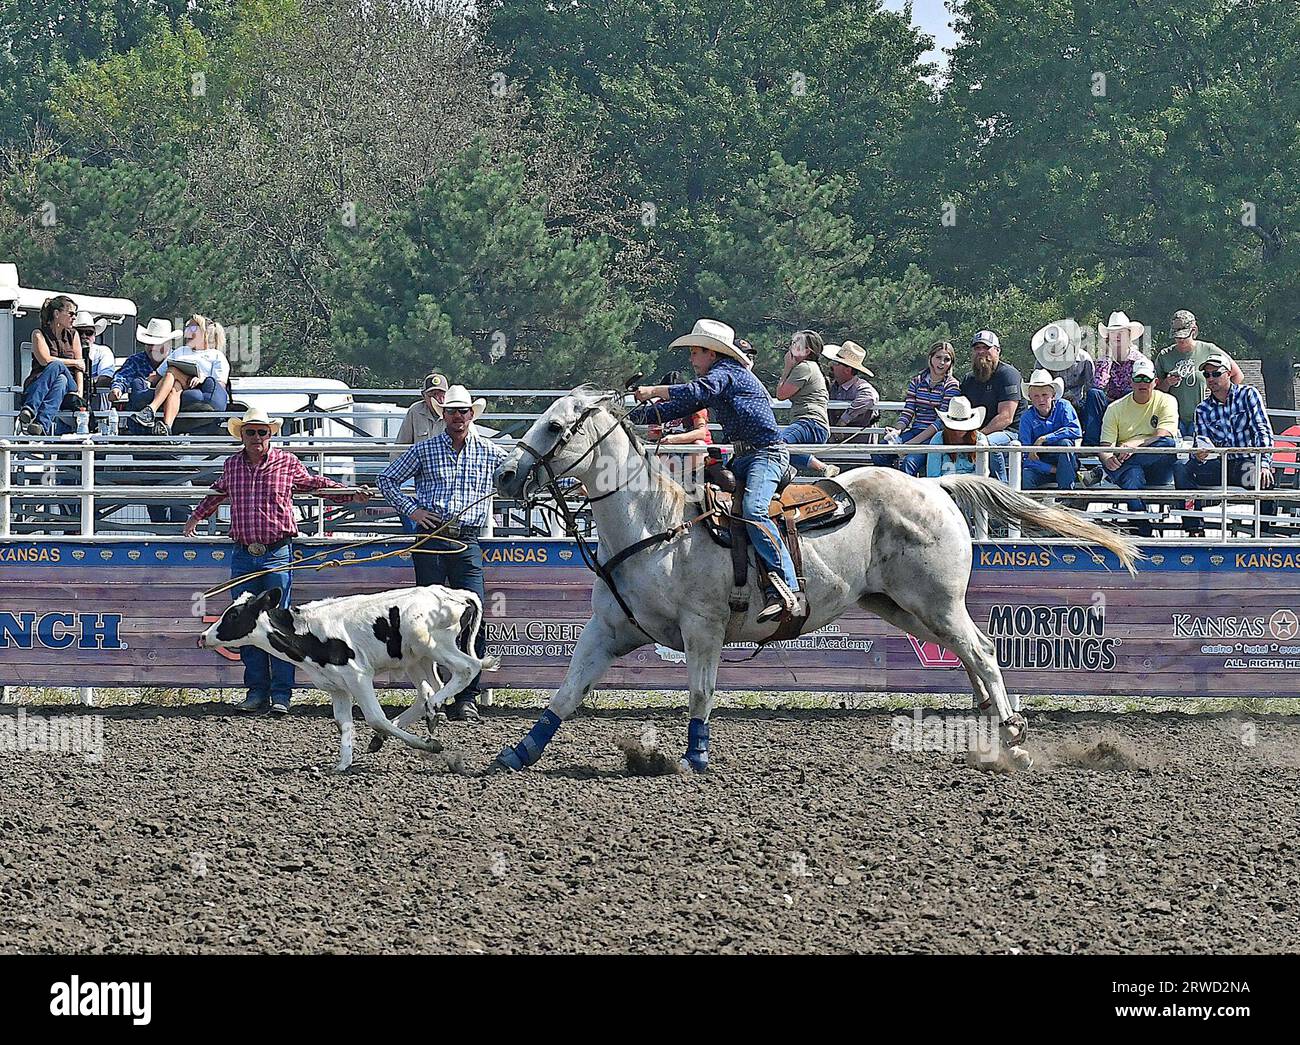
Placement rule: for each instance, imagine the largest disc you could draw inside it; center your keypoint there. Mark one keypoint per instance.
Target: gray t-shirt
(812, 396)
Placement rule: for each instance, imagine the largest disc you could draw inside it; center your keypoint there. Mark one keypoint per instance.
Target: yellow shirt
(1125, 419)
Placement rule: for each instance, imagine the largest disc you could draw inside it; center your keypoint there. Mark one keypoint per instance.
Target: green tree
(684, 100)
(786, 255)
(1144, 154)
(470, 280)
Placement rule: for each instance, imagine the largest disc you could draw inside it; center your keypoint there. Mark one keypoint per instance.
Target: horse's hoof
(1019, 760)
(1014, 730)
(341, 768)
(688, 766)
(376, 742)
(506, 762)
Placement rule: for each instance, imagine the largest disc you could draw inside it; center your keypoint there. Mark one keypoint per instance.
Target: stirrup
(786, 603)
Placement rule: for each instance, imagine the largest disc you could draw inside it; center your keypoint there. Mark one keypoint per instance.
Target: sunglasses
(458, 410)
(1214, 373)
(1137, 380)
(258, 433)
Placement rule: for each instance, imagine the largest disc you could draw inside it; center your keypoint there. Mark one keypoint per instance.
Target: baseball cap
(1143, 366)
(1182, 323)
(434, 381)
(986, 337)
(1217, 361)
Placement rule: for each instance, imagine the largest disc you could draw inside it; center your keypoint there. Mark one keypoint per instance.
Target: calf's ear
(270, 599)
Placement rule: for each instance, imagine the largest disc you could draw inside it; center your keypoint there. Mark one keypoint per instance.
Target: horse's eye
(556, 427)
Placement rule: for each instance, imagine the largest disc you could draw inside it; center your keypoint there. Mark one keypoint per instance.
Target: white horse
(905, 556)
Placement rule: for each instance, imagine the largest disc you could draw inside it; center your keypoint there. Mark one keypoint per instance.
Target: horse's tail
(976, 492)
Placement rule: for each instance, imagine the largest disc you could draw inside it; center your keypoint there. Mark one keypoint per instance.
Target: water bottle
(108, 423)
(83, 421)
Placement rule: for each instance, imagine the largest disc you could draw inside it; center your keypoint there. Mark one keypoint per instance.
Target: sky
(933, 18)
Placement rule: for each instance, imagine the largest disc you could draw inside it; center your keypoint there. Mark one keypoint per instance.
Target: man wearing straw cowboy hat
(260, 482)
(725, 386)
(849, 386)
(1049, 421)
(454, 481)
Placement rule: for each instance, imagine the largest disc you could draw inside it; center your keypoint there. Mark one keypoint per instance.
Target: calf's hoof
(376, 742)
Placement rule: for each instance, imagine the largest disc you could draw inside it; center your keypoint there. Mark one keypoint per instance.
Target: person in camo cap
(1179, 369)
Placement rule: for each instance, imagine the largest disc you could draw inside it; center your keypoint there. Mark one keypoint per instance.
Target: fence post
(1014, 465)
(87, 488)
(6, 485)
(981, 516)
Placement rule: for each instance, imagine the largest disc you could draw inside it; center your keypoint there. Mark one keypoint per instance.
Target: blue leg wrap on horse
(529, 750)
(697, 743)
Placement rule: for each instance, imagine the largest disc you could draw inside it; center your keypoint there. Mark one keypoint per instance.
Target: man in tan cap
(1179, 368)
(260, 482)
(424, 419)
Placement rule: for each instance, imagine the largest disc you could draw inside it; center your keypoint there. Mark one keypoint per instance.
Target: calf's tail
(471, 619)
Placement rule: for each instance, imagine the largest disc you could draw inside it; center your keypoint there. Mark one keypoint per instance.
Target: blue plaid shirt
(447, 483)
(137, 365)
(734, 398)
(1241, 421)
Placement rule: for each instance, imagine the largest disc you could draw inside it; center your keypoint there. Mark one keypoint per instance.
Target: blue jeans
(1091, 413)
(463, 570)
(760, 470)
(1194, 474)
(211, 391)
(1049, 468)
(1142, 471)
(46, 393)
(1187, 429)
(265, 676)
(998, 462)
(912, 464)
(805, 430)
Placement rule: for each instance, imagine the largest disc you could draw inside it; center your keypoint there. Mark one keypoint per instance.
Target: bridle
(605, 571)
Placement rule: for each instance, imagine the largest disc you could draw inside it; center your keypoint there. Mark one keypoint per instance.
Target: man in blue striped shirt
(453, 494)
(1231, 415)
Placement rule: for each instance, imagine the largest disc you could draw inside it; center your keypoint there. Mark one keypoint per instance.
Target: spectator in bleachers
(1119, 351)
(1179, 369)
(996, 386)
(848, 385)
(961, 424)
(803, 383)
(197, 372)
(1049, 421)
(423, 420)
(682, 431)
(134, 381)
(58, 368)
(1143, 418)
(102, 362)
(928, 392)
(1232, 415)
(1057, 349)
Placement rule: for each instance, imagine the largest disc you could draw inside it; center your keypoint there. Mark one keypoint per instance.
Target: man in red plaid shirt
(260, 483)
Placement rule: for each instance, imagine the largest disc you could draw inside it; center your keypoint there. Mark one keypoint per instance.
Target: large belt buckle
(257, 549)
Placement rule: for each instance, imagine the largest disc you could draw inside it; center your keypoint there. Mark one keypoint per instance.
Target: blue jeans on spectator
(805, 430)
(45, 394)
(1049, 468)
(463, 570)
(265, 676)
(1194, 474)
(998, 462)
(1187, 429)
(1142, 471)
(912, 464)
(211, 391)
(1094, 408)
(760, 470)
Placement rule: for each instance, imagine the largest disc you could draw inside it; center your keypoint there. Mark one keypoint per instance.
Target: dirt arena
(201, 831)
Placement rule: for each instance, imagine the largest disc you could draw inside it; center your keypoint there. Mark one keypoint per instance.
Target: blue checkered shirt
(734, 397)
(1241, 421)
(138, 364)
(447, 483)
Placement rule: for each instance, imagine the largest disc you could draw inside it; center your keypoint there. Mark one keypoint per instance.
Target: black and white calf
(340, 644)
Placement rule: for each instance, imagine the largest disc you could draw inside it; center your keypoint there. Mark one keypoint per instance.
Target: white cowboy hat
(717, 336)
(158, 332)
(1041, 379)
(961, 416)
(1054, 347)
(85, 321)
(1120, 321)
(254, 415)
(850, 354)
(458, 395)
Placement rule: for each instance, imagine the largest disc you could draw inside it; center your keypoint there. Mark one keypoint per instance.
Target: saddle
(795, 508)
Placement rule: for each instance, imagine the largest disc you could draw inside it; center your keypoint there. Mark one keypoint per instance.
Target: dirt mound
(644, 760)
(1110, 754)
